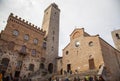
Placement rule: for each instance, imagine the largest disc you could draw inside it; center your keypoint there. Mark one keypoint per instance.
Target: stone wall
(13, 42)
(111, 57)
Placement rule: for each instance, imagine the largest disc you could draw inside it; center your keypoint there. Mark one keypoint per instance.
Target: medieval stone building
(90, 55)
(25, 48)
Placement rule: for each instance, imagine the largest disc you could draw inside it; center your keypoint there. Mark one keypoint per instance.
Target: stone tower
(51, 26)
(116, 38)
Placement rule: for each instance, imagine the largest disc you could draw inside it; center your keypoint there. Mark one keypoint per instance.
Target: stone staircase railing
(80, 74)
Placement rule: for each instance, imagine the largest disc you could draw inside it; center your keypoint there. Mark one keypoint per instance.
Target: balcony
(23, 53)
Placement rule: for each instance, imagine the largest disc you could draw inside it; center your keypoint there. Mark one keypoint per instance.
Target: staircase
(43, 75)
(40, 75)
(81, 75)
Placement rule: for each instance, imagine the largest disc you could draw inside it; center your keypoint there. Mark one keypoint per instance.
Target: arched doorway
(91, 63)
(61, 71)
(50, 68)
(42, 66)
(5, 62)
(68, 68)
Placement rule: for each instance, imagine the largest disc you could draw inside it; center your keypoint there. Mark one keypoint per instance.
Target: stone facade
(25, 48)
(22, 45)
(51, 26)
(88, 53)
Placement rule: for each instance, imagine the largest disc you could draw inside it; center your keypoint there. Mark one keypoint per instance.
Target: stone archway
(5, 62)
(50, 68)
(42, 66)
(61, 71)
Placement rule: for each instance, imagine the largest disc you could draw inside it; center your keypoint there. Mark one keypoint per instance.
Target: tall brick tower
(51, 26)
(116, 38)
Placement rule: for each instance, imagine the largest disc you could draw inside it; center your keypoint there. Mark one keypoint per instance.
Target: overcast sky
(95, 16)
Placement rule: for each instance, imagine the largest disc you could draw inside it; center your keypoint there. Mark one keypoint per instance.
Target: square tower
(51, 26)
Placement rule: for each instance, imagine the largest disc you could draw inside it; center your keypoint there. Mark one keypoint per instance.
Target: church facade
(90, 55)
(25, 48)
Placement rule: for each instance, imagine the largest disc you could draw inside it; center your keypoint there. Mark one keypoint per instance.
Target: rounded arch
(61, 71)
(50, 68)
(42, 66)
(5, 56)
(5, 62)
(76, 35)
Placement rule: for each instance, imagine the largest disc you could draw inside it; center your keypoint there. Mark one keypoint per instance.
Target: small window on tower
(53, 38)
(118, 36)
(53, 32)
(52, 48)
(44, 45)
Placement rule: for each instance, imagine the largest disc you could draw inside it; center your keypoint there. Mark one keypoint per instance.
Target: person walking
(96, 78)
(90, 78)
(1, 76)
(101, 79)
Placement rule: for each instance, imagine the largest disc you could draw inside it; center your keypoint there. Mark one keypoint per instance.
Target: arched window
(42, 66)
(33, 52)
(5, 62)
(23, 49)
(31, 67)
(19, 64)
(67, 52)
(35, 41)
(61, 71)
(50, 68)
(44, 45)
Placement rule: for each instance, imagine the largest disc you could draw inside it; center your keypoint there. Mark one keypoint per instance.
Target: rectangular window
(31, 67)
